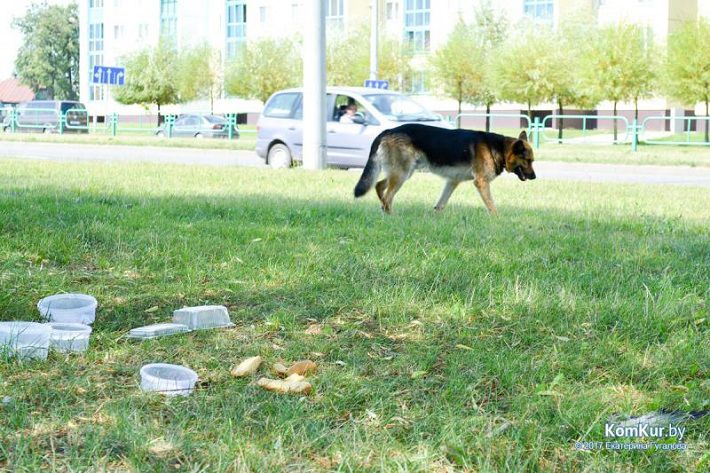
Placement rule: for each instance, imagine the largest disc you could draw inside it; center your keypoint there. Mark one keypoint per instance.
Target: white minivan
(280, 127)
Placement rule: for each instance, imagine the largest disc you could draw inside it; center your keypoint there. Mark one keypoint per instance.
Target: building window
(96, 58)
(416, 23)
(119, 31)
(392, 10)
(143, 30)
(236, 26)
(262, 14)
(96, 3)
(168, 19)
(539, 9)
(334, 14)
(419, 83)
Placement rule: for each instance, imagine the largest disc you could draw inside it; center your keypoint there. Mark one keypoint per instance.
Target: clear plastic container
(26, 340)
(69, 338)
(203, 317)
(170, 380)
(156, 330)
(68, 308)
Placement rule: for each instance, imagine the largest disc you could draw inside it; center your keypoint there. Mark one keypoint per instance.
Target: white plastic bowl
(170, 380)
(27, 340)
(68, 308)
(69, 337)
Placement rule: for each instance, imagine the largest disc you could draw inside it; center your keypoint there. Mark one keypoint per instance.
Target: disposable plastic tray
(157, 330)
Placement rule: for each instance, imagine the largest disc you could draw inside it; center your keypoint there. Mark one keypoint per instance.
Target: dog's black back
(444, 147)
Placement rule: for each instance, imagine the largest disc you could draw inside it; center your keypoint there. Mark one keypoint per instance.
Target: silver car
(280, 126)
(199, 126)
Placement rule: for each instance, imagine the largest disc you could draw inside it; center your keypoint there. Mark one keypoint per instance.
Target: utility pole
(314, 142)
(374, 34)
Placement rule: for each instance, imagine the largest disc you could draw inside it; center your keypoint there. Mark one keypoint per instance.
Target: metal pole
(314, 141)
(374, 35)
(536, 133)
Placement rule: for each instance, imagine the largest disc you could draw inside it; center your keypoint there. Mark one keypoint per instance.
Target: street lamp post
(314, 141)
(374, 34)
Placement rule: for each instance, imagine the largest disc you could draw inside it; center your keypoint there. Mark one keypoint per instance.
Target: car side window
(281, 105)
(181, 121)
(341, 105)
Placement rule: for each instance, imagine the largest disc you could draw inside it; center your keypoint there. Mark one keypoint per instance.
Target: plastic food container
(68, 308)
(170, 380)
(27, 340)
(203, 317)
(69, 337)
(156, 330)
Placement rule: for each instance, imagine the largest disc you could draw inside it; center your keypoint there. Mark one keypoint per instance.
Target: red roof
(12, 91)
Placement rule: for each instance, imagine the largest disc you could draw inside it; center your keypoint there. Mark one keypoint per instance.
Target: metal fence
(587, 134)
(629, 132)
(690, 129)
(691, 133)
(13, 120)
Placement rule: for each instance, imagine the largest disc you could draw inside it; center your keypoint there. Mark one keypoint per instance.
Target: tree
(462, 66)
(151, 78)
(199, 74)
(48, 59)
(458, 66)
(687, 66)
(347, 59)
(620, 67)
(492, 29)
(264, 67)
(525, 67)
(569, 88)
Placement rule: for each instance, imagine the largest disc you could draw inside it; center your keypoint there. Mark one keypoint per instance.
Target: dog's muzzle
(518, 170)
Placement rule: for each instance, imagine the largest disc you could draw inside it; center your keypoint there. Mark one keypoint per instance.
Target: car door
(278, 124)
(294, 131)
(181, 127)
(348, 143)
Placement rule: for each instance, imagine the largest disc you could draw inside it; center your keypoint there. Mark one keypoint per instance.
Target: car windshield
(66, 106)
(215, 119)
(400, 108)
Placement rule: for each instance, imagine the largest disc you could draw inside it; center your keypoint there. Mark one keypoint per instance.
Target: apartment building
(111, 29)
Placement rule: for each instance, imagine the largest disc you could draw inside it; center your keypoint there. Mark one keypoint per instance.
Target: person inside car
(349, 115)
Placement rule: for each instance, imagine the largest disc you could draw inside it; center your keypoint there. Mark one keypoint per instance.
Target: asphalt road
(128, 154)
(684, 175)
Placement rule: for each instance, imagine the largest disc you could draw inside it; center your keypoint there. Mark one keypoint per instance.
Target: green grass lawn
(449, 341)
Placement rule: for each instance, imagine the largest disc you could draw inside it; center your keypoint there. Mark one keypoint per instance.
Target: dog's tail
(371, 171)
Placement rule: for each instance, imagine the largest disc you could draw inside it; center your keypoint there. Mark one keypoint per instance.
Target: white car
(280, 127)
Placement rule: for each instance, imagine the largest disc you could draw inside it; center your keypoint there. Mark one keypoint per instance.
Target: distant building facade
(111, 29)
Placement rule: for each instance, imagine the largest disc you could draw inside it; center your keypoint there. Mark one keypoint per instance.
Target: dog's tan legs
(380, 188)
(449, 188)
(484, 188)
(394, 183)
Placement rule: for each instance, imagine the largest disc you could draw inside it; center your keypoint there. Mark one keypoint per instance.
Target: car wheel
(47, 131)
(279, 156)
(199, 136)
(160, 134)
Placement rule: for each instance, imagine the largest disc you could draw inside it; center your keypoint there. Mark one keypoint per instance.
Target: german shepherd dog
(456, 155)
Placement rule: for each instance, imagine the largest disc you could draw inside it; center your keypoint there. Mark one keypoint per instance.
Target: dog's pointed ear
(523, 135)
(519, 147)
